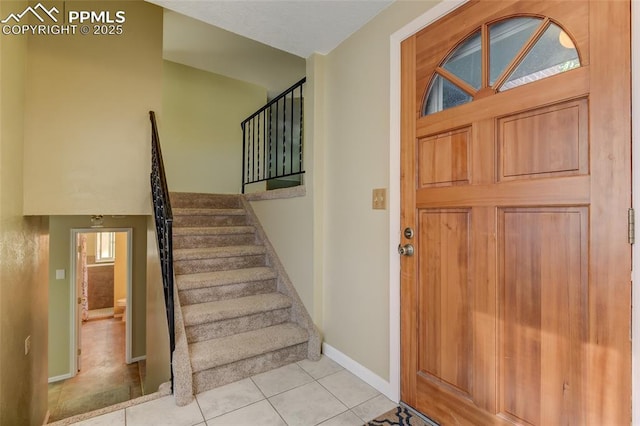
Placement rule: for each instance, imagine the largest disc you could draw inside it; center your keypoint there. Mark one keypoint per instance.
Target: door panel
(445, 350)
(444, 158)
(546, 141)
(543, 290)
(516, 304)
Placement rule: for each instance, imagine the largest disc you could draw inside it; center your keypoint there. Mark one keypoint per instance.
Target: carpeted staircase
(237, 313)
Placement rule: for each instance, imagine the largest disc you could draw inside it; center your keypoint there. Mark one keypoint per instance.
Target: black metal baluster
(244, 155)
(264, 143)
(253, 148)
(291, 137)
(270, 141)
(277, 139)
(259, 145)
(284, 136)
(300, 137)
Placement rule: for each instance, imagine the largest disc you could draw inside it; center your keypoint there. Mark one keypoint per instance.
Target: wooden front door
(516, 174)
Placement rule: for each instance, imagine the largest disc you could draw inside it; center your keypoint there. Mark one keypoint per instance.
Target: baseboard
(360, 371)
(61, 377)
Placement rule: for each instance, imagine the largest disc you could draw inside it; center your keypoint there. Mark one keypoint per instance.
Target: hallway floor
(104, 379)
(305, 393)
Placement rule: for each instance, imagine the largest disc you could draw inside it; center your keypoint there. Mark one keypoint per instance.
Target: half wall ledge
(274, 194)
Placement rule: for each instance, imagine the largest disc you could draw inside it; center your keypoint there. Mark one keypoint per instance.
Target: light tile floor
(305, 393)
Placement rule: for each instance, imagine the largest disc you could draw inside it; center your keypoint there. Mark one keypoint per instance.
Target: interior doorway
(103, 372)
(101, 268)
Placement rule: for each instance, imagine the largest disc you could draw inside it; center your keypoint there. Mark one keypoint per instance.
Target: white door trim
(73, 342)
(430, 16)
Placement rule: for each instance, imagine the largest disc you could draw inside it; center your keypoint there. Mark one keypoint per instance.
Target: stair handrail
(164, 231)
(264, 146)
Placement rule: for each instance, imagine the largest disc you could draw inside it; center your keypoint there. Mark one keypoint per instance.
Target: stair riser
(213, 330)
(211, 220)
(207, 241)
(229, 373)
(218, 264)
(224, 292)
(205, 201)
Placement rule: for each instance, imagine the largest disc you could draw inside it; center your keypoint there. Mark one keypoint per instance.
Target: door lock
(405, 250)
(408, 233)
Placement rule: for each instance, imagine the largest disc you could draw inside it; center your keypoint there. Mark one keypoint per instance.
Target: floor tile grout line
(331, 418)
(364, 402)
(284, 391)
(257, 387)
(195, 397)
(326, 375)
(277, 412)
(345, 404)
(237, 408)
(299, 386)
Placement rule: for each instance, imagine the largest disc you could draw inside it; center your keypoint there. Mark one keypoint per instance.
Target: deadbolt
(408, 233)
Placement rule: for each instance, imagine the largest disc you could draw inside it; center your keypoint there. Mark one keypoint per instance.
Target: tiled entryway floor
(305, 393)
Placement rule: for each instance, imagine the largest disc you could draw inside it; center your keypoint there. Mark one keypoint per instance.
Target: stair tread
(203, 211)
(219, 278)
(225, 350)
(202, 313)
(211, 230)
(217, 252)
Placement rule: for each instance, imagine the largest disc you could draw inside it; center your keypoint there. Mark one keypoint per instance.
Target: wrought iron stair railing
(164, 233)
(272, 141)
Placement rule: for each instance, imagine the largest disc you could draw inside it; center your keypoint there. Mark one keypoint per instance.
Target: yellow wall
(120, 270)
(356, 238)
(60, 290)
(157, 363)
(87, 137)
(91, 245)
(200, 128)
(23, 255)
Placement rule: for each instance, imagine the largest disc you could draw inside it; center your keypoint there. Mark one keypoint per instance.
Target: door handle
(405, 250)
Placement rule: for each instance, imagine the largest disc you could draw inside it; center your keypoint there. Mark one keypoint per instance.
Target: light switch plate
(379, 199)
(59, 274)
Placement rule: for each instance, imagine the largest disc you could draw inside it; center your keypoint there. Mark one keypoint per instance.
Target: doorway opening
(101, 265)
(103, 372)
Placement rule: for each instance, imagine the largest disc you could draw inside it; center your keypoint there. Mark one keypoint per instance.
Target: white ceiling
(300, 27)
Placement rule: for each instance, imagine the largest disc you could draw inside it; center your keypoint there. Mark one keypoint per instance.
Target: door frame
(430, 16)
(73, 342)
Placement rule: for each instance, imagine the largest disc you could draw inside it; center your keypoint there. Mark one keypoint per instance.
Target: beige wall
(356, 244)
(294, 225)
(60, 290)
(23, 256)
(200, 128)
(289, 225)
(87, 137)
(120, 269)
(157, 363)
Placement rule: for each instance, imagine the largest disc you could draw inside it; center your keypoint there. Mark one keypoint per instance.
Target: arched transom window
(516, 51)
